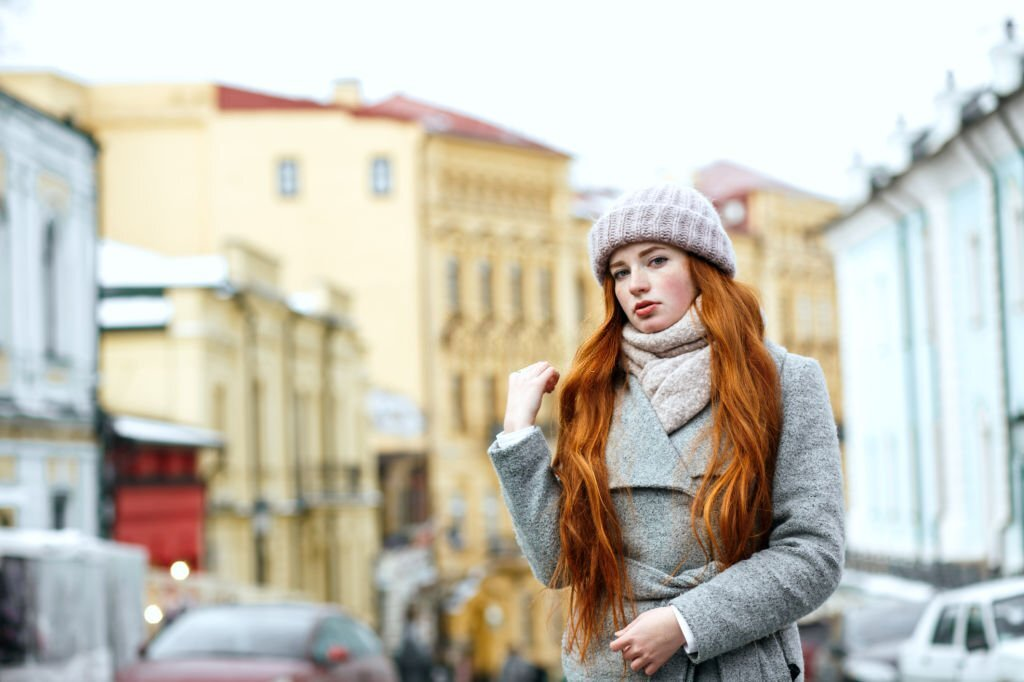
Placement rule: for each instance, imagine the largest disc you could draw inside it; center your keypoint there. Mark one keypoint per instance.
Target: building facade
(776, 231)
(49, 463)
(928, 264)
(269, 388)
(456, 240)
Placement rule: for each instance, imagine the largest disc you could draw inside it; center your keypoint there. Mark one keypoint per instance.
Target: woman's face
(652, 284)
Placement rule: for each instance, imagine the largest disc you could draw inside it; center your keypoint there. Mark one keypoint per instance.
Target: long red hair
(734, 509)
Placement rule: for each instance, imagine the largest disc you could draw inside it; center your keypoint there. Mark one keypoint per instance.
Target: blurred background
(265, 268)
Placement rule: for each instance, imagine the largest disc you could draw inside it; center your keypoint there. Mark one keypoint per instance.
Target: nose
(638, 282)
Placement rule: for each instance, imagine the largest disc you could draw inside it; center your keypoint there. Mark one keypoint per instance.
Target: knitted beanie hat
(666, 213)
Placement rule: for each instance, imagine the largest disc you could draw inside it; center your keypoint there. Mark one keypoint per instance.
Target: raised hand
(526, 389)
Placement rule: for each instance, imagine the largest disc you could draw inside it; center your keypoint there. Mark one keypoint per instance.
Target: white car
(974, 633)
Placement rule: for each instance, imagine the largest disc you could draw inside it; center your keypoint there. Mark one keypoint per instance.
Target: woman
(694, 503)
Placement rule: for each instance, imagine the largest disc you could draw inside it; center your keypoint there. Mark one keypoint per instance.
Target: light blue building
(930, 279)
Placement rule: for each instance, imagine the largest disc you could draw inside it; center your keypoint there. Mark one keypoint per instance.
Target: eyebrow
(639, 255)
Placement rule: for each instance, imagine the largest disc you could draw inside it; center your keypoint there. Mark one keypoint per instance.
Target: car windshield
(1009, 617)
(277, 632)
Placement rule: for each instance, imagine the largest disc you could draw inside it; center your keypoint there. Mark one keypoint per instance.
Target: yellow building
(456, 240)
(775, 229)
(214, 342)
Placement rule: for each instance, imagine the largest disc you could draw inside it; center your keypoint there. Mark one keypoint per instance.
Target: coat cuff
(689, 646)
(507, 440)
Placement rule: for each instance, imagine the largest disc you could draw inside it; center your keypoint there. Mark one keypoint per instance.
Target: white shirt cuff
(507, 440)
(689, 646)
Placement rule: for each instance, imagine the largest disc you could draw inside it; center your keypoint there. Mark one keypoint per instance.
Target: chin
(650, 326)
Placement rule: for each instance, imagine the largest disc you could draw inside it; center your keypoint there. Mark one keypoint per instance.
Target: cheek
(621, 296)
(681, 290)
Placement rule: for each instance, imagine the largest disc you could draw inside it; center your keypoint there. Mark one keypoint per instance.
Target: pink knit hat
(666, 213)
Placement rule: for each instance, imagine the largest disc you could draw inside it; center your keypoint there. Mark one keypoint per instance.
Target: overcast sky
(635, 91)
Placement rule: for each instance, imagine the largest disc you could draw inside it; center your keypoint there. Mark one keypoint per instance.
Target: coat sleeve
(531, 494)
(802, 564)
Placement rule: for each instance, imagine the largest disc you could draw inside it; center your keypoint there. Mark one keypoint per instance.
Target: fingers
(542, 371)
(532, 371)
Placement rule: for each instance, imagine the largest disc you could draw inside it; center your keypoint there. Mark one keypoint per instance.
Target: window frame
(288, 180)
(381, 176)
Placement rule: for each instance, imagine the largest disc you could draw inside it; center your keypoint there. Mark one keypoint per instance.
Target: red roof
(229, 98)
(433, 118)
(724, 180)
(446, 122)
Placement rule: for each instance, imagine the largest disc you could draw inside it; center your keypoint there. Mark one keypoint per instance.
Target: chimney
(858, 182)
(1007, 60)
(897, 147)
(347, 93)
(948, 104)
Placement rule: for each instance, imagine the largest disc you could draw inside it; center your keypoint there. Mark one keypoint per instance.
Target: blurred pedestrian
(413, 656)
(516, 668)
(693, 506)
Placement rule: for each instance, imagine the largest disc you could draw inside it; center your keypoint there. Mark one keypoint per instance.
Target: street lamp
(180, 570)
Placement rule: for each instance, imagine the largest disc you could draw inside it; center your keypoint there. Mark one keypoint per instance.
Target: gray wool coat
(743, 619)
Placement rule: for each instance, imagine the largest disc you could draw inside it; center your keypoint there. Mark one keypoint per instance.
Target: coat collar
(641, 455)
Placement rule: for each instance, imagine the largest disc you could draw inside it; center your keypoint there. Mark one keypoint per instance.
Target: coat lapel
(641, 455)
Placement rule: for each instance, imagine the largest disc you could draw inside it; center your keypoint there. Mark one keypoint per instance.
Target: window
(457, 511)
(6, 292)
(288, 177)
(380, 176)
(458, 403)
(581, 299)
(825, 319)
(1008, 615)
(1016, 209)
(946, 626)
(804, 320)
(50, 274)
(452, 276)
(492, 522)
(492, 411)
(515, 281)
(974, 278)
(486, 288)
(975, 636)
(546, 303)
(59, 504)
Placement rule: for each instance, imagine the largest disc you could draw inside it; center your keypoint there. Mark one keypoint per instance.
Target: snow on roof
(306, 303)
(38, 543)
(165, 433)
(134, 312)
(124, 266)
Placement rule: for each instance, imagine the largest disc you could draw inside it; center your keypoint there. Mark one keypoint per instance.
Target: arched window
(50, 274)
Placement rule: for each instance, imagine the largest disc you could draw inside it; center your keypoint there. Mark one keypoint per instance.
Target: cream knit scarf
(673, 366)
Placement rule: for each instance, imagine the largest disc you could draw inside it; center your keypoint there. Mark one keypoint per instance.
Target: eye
(619, 274)
(659, 260)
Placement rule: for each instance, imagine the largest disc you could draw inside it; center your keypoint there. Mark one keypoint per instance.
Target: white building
(49, 461)
(930, 274)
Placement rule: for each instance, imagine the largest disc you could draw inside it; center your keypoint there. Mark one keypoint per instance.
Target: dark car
(263, 643)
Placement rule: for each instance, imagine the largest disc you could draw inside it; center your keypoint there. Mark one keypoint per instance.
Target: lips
(644, 308)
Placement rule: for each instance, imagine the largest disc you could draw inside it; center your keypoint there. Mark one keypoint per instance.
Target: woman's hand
(650, 640)
(526, 389)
